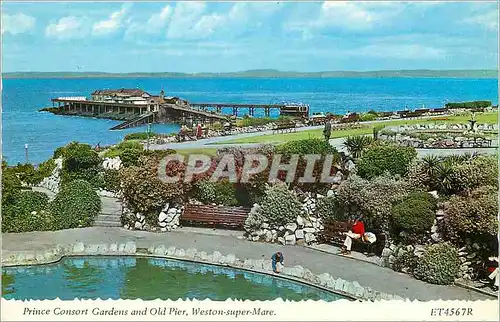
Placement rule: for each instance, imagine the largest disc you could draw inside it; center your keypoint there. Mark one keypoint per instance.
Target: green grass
(318, 133)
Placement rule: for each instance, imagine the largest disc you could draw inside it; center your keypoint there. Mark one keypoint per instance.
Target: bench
(333, 233)
(284, 127)
(209, 215)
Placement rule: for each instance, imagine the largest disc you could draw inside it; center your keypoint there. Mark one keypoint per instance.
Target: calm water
(148, 279)
(44, 132)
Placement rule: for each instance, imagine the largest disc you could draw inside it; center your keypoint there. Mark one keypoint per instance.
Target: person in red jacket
(357, 231)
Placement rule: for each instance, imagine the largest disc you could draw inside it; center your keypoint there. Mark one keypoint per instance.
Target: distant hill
(270, 73)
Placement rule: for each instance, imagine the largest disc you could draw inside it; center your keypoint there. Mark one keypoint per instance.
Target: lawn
(300, 135)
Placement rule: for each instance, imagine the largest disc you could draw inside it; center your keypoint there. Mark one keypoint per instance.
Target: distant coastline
(268, 73)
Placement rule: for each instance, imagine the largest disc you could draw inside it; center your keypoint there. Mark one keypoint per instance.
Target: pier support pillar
(267, 111)
(219, 110)
(235, 111)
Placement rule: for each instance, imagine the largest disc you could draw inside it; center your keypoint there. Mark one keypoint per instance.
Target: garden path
(367, 274)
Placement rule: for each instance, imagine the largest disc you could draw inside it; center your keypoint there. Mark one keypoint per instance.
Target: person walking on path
(327, 131)
(199, 131)
(277, 258)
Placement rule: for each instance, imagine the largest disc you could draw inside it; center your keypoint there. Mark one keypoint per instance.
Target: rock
(160, 250)
(309, 237)
(281, 240)
(299, 234)
(78, 248)
(264, 225)
(255, 238)
(292, 227)
(338, 176)
(386, 252)
(436, 237)
(308, 275)
(163, 224)
(434, 228)
(130, 248)
(330, 193)
(231, 259)
(297, 271)
(300, 221)
(281, 228)
(162, 216)
(216, 256)
(339, 284)
(269, 236)
(91, 249)
(202, 255)
(434, 194)
(180, 253)
(113, 248)
(350, 166)
(392, 258)
(323, 279)
(137, 225)
(171, 251)
(191, 253)
(290, 240)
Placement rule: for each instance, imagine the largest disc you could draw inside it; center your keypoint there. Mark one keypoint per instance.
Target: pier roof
(128, 91)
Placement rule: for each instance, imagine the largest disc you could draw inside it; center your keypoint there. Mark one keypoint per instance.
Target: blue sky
(232, 36)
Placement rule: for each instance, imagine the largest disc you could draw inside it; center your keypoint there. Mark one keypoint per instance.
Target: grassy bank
(278, 138)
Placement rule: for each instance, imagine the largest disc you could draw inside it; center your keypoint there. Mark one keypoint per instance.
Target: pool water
(148, 279)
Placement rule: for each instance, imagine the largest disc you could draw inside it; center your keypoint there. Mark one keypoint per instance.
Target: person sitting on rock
(277, 258)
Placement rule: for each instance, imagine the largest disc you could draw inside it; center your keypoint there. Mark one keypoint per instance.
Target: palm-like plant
(445, 177)
(356, 144)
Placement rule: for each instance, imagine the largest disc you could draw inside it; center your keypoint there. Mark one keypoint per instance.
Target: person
(357, 232)
(327, 131)
(277, 258)
(199, 131)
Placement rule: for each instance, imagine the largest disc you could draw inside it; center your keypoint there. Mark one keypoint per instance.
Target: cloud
(155, 25)
(68, 28)
(400, 51)
(17, 24)
(184, 19)
(113, 23)
(488, 20)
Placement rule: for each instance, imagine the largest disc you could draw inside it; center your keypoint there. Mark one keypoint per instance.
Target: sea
(43, 132)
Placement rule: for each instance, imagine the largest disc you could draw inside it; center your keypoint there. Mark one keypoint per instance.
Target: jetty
(136, 107)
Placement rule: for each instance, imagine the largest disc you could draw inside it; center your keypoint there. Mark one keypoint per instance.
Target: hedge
(472, 104)
(415, 214)
(27, 213)
(378, 159)
(76, 205)
(222, 192)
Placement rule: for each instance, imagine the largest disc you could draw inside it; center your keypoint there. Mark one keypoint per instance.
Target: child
(277, 258)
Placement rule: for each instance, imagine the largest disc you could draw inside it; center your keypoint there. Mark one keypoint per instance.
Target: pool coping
(351, 290)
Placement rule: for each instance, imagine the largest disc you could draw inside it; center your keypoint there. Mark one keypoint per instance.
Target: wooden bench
(284, 127)
(333, 233)
(208, 215)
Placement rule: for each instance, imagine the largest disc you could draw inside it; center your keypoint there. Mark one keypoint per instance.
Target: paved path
(367, 274)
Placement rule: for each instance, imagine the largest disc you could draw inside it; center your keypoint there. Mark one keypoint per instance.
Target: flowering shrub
(222, 192)
(144, 192)
(473, 216)
(440, 264)
(372, 198)
(280, 205)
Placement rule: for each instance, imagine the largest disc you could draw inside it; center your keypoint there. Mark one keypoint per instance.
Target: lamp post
(26, 152)
(148, 130)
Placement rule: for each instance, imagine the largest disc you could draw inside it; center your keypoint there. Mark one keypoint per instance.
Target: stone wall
(167, 220)
(350, 289)
(53, 181)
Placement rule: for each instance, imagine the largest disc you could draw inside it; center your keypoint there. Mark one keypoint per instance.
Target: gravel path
(367, 274)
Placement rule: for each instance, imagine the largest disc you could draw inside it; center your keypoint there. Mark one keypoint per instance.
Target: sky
(234, 36)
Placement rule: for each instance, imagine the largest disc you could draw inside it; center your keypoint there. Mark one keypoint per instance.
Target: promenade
(226, 242)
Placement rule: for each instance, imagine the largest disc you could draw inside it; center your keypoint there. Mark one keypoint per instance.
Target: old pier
(136, 107)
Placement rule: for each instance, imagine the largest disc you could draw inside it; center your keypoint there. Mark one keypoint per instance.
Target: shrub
(11, 185)
(473, 216)
(111, 178)
(27, 213)
(357, 144)
(378, 159)
(130, 157)
(253, 121)
(222, 192)
(306, 146)
(81, 162)
(120, 148)
(365, 117)
(372, 198)
(414, 215)
(405, 262)
(139, 136)
(329, 208)
(280, 205)
(144, 192)
(76, 205)
(439, 264)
